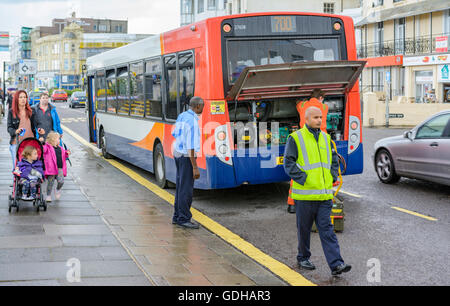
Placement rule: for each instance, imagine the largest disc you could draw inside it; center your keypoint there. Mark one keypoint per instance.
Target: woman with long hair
(20, 125)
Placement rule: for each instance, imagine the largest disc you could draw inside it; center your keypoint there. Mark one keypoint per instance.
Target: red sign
(442, 44)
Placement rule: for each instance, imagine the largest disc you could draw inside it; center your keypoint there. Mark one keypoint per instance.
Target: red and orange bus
(250, 70)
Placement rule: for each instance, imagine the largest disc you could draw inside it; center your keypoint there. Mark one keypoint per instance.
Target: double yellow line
(278, 268)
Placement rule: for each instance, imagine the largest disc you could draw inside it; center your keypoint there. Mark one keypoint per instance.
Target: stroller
(16, 196)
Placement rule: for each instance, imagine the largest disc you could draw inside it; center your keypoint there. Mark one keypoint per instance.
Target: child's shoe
(57, 194)
(48, 199)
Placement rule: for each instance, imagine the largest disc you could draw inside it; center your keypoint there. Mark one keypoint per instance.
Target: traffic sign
(398, 116)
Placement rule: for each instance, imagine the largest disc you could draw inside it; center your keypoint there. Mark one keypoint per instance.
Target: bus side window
(153, 90)
(100, 91)
(136, 89)
(111, 98)
(123, 91)
(170, 73)
(186, 79)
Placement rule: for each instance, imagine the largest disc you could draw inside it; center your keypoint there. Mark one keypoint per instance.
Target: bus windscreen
(251, 52)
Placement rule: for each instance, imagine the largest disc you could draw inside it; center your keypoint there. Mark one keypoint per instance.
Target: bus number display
(284, 24)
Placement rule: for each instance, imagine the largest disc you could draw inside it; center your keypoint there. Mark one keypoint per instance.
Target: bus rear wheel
(159, 166)
(103, 145)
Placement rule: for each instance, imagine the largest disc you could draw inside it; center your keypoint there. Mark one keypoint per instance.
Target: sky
(144, 16)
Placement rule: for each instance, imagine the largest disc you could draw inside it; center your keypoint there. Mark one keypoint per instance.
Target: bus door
(91, 110)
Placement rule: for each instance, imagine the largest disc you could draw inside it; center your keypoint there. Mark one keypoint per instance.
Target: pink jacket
(51, 167)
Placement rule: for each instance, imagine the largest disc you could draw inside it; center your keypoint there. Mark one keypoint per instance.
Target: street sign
(388, 76)
(27, 67)
(398, 116)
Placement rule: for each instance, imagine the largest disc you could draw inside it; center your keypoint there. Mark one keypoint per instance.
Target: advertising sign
(443, 73)
(4, 41)
(426, 60)
(442, 44)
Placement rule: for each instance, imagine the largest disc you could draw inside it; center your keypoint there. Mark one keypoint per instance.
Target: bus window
(111, 98)
(186, 78)
(136, 89)
(170, 73)
(100, 102)
(243, 53)
(123, 90)
(153, 90)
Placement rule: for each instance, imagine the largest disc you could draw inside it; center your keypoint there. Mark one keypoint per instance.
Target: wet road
(409, 250)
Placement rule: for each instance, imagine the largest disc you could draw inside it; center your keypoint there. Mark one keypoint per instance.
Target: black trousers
(184, 190)
(319, 211)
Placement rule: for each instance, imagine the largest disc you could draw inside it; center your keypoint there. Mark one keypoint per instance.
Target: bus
(251, 70)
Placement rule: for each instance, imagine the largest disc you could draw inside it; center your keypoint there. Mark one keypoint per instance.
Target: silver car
(422, 153)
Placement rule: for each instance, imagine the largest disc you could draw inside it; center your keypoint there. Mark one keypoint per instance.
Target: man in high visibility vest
(316, 100)
(308, 160)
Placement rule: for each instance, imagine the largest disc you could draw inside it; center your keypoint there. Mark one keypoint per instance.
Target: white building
(196, 10)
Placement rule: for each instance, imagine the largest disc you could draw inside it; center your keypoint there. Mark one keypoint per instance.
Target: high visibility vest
(303, 106)
(315, 159)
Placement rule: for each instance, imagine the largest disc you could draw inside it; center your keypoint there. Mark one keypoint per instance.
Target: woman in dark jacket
(20, 125)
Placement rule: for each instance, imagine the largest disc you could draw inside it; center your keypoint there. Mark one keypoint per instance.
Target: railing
(407, 46)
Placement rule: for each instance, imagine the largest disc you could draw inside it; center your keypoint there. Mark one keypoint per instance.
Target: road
(408, 249)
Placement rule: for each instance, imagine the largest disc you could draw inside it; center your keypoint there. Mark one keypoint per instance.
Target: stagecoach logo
(217, 107)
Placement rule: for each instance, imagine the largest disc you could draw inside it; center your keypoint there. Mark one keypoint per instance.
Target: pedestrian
(31, 171)
(10, 97)
(312, 164)
(46, 117)
(187, 143)
(20, 125)
(55, 164)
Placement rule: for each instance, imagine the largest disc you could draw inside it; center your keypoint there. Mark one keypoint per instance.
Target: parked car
(59, 95)
(422, 153)
(77, 99)
(42, 89)
(34, 97)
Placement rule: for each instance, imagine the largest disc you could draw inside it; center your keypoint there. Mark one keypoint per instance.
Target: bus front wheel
(103, 145)
(159, 166)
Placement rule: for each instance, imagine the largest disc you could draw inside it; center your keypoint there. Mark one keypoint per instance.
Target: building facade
(196, 10)
(406, 44)
(60, 57)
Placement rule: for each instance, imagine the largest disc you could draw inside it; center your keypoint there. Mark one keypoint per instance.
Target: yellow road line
(414, 213)
(278, 268)
(348, 193)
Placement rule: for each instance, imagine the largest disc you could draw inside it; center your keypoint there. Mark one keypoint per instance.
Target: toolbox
(337, 216)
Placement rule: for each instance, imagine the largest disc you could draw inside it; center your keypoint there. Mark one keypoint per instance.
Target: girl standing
(55, 164)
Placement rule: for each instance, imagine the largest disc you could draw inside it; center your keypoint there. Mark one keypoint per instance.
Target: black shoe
(189, 225)
(341, 268)
(174, 222)
(306, 264)
(291, 209)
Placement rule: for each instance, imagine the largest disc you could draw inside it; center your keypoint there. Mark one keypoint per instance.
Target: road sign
(27, 67)
(388, 76)
(398, 116)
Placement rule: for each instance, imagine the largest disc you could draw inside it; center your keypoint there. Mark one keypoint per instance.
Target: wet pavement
(119, 231)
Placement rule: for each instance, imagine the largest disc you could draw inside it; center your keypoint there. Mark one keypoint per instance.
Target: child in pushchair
(28, 174)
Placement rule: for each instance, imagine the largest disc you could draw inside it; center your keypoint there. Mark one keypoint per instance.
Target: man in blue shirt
(187, 143)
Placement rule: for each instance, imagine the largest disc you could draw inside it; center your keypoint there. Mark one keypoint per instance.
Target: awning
(295, 79)
(406, 10)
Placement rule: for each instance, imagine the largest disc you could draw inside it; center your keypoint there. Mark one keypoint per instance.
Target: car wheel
(385, 167)
(103, 145)
(159, 166)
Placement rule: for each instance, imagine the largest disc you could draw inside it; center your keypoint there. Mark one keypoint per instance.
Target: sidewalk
(120, 231)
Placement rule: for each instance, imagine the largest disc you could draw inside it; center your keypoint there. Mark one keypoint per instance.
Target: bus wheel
(103, 145)
(159, 166)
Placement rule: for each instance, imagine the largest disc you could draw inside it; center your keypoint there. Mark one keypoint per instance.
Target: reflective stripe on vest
(308, 165)
(309, 192)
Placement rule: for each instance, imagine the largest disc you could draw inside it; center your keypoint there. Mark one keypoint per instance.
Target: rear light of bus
(223, 150)
(354, 133)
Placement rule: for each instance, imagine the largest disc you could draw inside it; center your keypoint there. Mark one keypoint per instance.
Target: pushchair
(17, 194)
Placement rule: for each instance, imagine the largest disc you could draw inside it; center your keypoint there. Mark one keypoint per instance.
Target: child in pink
(55, 164)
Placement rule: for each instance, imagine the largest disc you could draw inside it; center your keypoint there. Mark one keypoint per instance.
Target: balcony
(408, 46)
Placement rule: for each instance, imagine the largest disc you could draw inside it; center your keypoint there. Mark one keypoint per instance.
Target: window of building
(100, 97)
(55, 49)
(73, 48)
(66, 47)
(123, 91)
(102, 28)
(118, 28)
(328, 7)
(137, 89)
(424, 85)
(66, 64)
(447, 22)
(55, 65)
(153, 89)
(95, 27)
(200, 6)
(185, 79)
(170, 76)
(378, 2)
(212, 5)
(379, 37)
(398, 1)
(111, 98)
(73, 65)
(399, 35)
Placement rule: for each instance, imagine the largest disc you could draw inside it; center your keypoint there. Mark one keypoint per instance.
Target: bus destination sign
(283, 24)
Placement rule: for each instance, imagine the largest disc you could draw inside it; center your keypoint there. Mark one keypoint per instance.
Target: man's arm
(334, 165)
(193, 159)
(290, 162)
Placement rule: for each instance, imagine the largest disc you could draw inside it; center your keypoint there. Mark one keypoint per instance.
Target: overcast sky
(144, 16)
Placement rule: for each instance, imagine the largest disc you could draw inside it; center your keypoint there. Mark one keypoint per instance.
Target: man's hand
(196, 173)
(41, 131)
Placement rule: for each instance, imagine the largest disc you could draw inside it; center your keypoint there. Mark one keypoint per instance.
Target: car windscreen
(242, 53)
